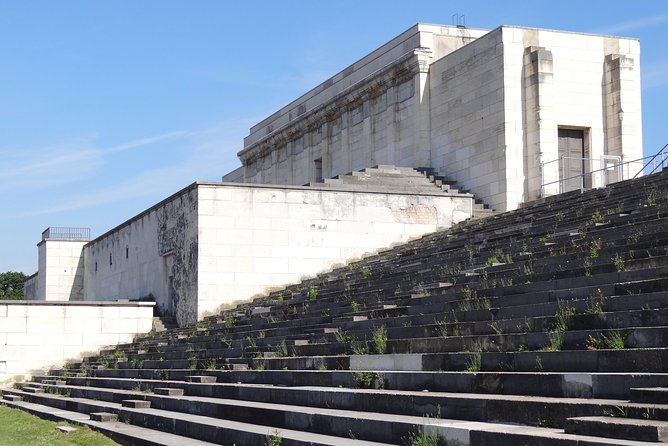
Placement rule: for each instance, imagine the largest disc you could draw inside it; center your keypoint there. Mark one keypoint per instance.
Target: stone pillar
(290, 153)
(345, 141)
(422, 109)
(540, 126)
(622, 108)
(61, 267)
(369, 132)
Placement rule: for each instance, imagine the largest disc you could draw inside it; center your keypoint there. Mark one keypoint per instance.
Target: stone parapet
(37, 335)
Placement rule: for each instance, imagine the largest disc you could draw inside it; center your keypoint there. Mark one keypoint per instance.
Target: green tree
(11, 285)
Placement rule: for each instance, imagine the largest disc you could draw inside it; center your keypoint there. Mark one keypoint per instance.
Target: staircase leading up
(543, 326)
(401, 180)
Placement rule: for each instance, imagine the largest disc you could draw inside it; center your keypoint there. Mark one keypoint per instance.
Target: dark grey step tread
(649, 394)
(547, 293)
(127, 433)
(208, 344)
(410, 421)
(299, 437)
(332, 393)
(450, 429)
(598, 385)
(618, 427)
(554, 361)
(524, 435)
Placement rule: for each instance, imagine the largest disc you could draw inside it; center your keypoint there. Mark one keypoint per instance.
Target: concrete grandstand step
(121, 432)
(658, 395)
(204, 428)
(615, 427)
(104, 417)
(361, 424)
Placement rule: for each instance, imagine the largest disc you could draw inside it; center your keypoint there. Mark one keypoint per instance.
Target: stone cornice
(371, 87)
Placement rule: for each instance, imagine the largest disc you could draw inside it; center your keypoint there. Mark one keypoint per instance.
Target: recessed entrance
(573, 159)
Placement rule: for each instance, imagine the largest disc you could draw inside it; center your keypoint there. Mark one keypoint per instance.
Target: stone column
(422, 109)
(540, 126)
(622, 107)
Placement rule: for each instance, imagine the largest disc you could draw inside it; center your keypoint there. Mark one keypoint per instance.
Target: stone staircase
(543, 326)
(164, 323)
(401, 180)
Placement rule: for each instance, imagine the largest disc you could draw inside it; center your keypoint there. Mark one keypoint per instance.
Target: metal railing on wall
(596, 172)
(64, 233)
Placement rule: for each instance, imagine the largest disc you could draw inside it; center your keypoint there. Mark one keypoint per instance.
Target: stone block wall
(253, 238)
(151, 256)
(61, 262)
(497, 105)
(212, 244)
(467, 118)
(483, 108)
(371, 113)
(37, 335)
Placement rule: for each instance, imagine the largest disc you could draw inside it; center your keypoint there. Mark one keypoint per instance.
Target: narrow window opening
(95, 266)
(127, 252)
(318, 169)
(110, 262)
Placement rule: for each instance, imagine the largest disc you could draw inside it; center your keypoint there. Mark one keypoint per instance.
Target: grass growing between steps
(18, 428)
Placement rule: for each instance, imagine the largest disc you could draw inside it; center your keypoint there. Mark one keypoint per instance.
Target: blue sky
(108, 107)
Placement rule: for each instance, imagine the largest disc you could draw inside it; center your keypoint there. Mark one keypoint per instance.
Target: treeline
(11, 285)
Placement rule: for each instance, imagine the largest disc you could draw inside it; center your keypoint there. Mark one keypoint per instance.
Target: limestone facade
(483, 108)
(508, 114)
(37, 335)
(213, 244)
(61, 261)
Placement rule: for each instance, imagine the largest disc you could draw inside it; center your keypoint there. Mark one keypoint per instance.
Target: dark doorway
(317, 174)
(572, 159)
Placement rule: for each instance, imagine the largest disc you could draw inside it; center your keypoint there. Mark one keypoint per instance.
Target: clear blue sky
(106, 107)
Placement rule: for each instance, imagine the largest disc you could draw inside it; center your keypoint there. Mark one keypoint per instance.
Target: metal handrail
(656, 166)
(647, 161)
(66, 233)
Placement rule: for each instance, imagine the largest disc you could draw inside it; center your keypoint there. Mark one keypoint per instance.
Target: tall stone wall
(373, 112)
(152, 256)
(468, 116)
(556, 80)
(212, 244)
(253, 238)
(484, 108)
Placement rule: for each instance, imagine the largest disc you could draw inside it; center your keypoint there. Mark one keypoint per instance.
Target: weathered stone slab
(623, 428)
(103, 417)
(54, 382)
(136, 404)
(201, 379)
(169, 391)
(386, 362)
(658, 395)
(30, 389)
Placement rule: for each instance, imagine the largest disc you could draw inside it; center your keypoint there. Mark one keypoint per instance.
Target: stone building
(506, 113)
(511, 115)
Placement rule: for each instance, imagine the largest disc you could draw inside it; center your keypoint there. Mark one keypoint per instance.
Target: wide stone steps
(193, 426)
(121, 432)
(196, 343)
(614, 385)
(350, 409)
(644, 360)
(552, 315)
(400, 180)
(453, 431)
(533, 337)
